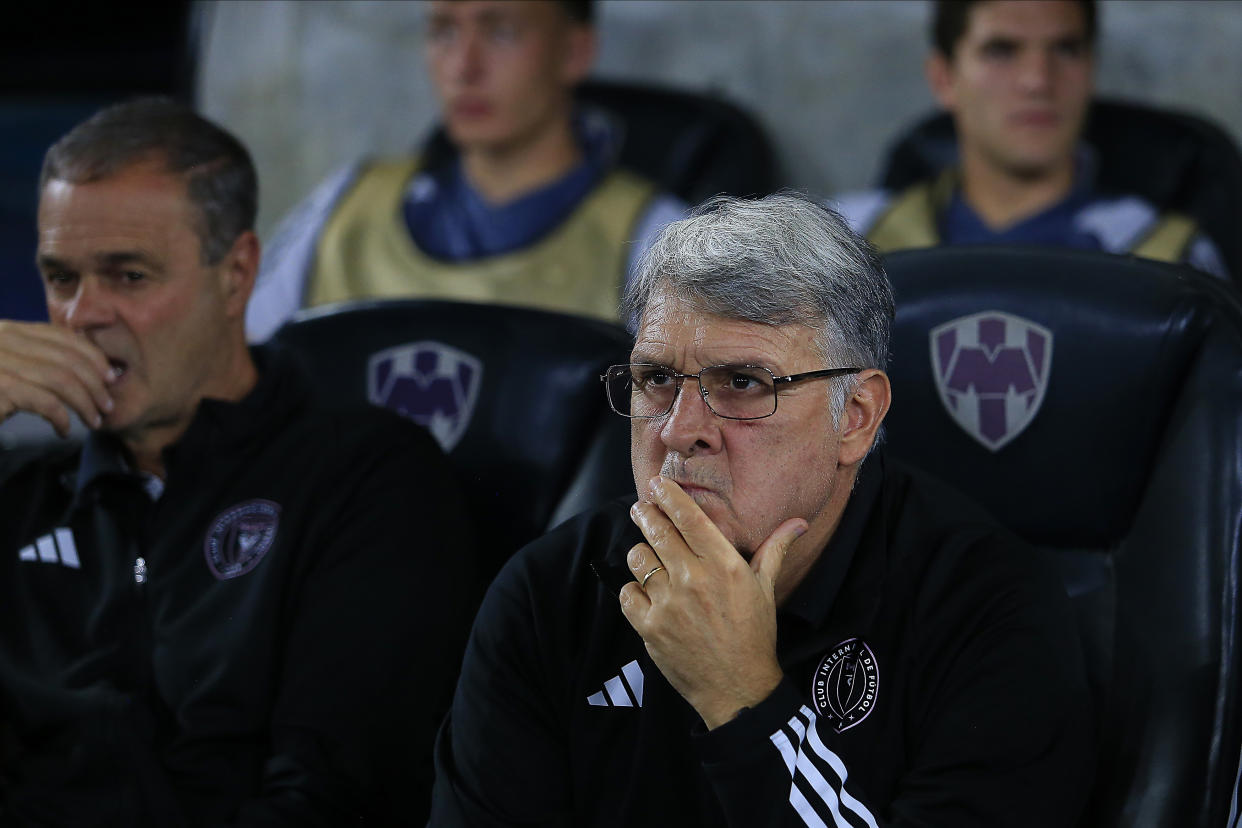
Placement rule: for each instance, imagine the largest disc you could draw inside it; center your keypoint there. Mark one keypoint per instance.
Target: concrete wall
(310, 85)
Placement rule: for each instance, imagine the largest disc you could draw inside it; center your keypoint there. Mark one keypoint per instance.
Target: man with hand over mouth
(205, 612)
(786, 627)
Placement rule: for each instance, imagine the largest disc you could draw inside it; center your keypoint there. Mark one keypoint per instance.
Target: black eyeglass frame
(679, 378)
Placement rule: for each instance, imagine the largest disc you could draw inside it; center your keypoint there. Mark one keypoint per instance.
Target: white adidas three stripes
(57, 547)
(817, 791)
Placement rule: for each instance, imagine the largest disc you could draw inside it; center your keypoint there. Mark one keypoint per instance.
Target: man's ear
(238, 271)
(939, 73)
(864, 412)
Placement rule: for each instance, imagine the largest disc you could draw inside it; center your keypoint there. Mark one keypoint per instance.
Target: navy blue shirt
(448, 219)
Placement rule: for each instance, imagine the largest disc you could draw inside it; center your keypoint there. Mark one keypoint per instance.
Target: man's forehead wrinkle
(686, 338)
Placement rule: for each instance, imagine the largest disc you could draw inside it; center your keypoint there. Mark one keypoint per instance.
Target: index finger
(83, 346)
(702, 536)
(60, 362)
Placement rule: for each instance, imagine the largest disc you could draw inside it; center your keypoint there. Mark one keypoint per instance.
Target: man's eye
(503, 32)
(652, 378)
(132, 276)
(1070, 48)
(749, 382)
(441, 33)
(999, 49)
(58, 278)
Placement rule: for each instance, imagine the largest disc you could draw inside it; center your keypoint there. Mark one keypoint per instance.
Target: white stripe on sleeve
(616, 692)
(634, 675)
(68, 552)
(805, 761)
(47, 549)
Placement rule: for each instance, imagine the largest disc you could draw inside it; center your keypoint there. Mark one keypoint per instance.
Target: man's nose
(467, 60)
(1035, 74)
(691, 427)
(89, 307)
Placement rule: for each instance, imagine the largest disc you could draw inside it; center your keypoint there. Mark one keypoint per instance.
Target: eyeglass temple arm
(826, 372)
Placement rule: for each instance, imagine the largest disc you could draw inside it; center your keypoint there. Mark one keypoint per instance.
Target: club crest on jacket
(240, 536)
(845, 684)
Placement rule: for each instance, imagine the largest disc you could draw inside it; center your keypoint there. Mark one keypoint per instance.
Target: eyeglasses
(734, 392)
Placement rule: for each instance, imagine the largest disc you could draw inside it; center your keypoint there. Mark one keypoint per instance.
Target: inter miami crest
(240, 536)
(991, 370)
(845, 684)
(433, 384)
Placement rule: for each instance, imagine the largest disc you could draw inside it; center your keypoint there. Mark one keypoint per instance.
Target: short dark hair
(220, 175)
(950, 19)
(579, 11)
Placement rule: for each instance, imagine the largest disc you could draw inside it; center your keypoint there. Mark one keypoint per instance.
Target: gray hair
(219, 172)
(779, 260)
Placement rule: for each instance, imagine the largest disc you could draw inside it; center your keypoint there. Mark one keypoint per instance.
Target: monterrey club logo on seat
(991, 370)
(240, 536)
(434, 384)
(845, 684)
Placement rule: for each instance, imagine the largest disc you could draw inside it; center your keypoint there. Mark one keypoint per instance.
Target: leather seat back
(511, 394)
(1093, 404)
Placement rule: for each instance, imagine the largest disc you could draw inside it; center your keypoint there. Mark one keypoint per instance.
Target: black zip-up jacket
(272, 641)
(933, 677)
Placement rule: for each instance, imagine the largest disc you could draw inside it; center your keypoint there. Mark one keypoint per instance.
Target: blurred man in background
(1017, 77)
(517, 201)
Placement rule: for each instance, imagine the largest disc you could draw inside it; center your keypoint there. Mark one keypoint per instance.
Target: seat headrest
(511, 394)
(1041, 376)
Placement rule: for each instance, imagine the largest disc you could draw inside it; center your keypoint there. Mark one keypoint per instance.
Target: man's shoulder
(345, 434)
(356, 433)
(585, 542)
(575, 561)
(945, 546)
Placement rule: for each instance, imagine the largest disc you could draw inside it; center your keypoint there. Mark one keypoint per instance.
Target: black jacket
(272, 641)
(933, 677)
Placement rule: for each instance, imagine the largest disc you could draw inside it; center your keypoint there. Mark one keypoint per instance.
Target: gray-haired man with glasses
(775, 633)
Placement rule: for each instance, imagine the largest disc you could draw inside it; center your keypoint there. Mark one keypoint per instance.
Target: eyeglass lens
(734, 391)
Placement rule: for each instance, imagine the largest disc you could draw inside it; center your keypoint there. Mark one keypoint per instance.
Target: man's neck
(147, 444)
(1001, 198)
(502, 174)
(806, 550)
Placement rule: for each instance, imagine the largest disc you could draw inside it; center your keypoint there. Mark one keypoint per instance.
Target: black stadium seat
(693, 145)
(511, 394)
(1094, 404)
(1175, 160)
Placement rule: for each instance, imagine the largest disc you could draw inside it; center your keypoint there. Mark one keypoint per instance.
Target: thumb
(770, 557)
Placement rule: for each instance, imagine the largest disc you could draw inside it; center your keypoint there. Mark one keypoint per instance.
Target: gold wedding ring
(649, 574)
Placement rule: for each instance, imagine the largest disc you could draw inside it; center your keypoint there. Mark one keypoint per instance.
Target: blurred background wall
(311, 85)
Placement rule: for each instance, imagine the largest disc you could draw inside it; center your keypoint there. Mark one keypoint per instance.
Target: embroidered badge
(240, 536)
(991, 370)
(434, 384)
(845, 684)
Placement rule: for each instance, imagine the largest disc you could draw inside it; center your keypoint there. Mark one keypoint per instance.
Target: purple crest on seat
(991, 370)
(434, 384)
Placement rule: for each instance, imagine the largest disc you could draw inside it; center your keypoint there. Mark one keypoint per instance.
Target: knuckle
(660, 534)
